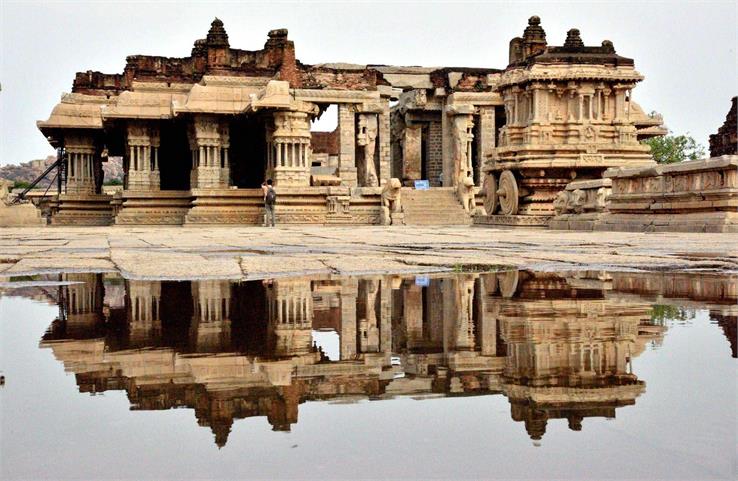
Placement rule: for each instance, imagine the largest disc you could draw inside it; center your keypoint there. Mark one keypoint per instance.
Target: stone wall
(434, 154)
(325, 142)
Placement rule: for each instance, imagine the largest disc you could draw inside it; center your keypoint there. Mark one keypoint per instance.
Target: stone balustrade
(692, 196)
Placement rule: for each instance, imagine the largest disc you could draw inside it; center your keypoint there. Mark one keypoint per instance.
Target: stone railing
(693, 196)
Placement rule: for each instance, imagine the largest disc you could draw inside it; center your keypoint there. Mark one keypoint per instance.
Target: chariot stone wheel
(508, 193)
(508, 282)
(490, 193)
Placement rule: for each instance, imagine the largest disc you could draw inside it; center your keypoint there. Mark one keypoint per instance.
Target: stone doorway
(174, 156)
(248, 151)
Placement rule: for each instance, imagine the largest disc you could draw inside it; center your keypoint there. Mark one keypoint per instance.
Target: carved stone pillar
(463, 134)
(413, 314)
(210, 330)
(143, 310)
(385, 157)
(290, 306)
(83, 299)
(412, 153)
(619, 103)
(207, 135)
(368, 329)
(349, 292)
(385, 315)
(486, 140)
(142, 151)
(81, 156)
(464, 332)
(288, 141)
(223, 154)
(347, 144)
(486, 286)
(366, 139)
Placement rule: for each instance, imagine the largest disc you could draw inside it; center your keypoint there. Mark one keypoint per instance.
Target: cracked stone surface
(257, 252)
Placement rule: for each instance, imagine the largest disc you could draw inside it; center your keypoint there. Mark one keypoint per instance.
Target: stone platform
(182, 252)
(295, 205)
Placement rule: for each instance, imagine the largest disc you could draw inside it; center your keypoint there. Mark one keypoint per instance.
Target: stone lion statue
(578, 199)
(391, 202)
(561, 202)
(465, 192)
(600, 202)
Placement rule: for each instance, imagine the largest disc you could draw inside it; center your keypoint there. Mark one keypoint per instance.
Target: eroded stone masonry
(199, 134)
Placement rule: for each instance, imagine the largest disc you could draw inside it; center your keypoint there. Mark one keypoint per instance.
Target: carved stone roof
(76, 111)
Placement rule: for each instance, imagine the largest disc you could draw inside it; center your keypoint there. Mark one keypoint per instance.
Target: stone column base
(166, 207)
(83, 210)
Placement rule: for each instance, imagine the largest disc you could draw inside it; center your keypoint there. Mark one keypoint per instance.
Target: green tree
(21, 184)
(671, 149)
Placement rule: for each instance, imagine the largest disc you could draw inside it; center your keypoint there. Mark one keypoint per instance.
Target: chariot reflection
(557, 346)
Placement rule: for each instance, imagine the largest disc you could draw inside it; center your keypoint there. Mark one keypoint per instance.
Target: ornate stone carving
(465, 193)
(209, 144)
(463, 135)
(366, 137)
(288, 146)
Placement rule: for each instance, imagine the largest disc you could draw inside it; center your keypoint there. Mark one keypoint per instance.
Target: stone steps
(437, 206)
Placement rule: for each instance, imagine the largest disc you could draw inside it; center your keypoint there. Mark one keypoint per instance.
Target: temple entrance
(174, 156)
(247, 151)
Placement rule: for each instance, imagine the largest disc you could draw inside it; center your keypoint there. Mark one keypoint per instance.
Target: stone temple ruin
(199, 134)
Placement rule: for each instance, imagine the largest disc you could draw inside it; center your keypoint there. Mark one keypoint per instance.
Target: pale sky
(686, 50)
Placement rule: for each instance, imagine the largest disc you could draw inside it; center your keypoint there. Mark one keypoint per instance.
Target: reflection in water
(556, 346)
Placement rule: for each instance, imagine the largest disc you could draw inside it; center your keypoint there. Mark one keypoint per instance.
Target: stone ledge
(512, 220)
(690, 166)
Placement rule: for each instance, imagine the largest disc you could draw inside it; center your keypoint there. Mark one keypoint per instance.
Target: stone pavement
(257, 252)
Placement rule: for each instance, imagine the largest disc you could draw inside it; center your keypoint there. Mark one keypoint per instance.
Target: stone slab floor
(258, 252)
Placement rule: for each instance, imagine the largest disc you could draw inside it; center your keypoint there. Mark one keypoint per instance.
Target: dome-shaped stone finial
(217, 36)
(534, 32)
(534, 37)
(573, 40)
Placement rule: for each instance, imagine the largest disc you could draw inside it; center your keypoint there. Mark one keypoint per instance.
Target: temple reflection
(557, 346)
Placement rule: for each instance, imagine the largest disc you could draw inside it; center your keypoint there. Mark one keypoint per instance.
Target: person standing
(270, 198)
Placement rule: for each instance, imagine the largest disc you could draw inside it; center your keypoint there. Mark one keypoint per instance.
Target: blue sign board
(422, 281)
(422, 185)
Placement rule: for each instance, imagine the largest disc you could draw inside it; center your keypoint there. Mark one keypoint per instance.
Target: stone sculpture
(391, 213)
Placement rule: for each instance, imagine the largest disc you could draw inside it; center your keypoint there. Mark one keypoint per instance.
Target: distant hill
(28, 171)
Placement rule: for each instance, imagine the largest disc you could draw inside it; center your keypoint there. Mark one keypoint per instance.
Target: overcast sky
(686, 50)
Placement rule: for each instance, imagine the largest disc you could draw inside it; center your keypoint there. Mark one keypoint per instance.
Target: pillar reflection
(557, 346)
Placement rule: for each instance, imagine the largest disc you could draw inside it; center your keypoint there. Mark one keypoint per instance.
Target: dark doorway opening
(174, 156)
(249, 316)
(247, 152)
(476, 172)
(424, 154)
(176, 309)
